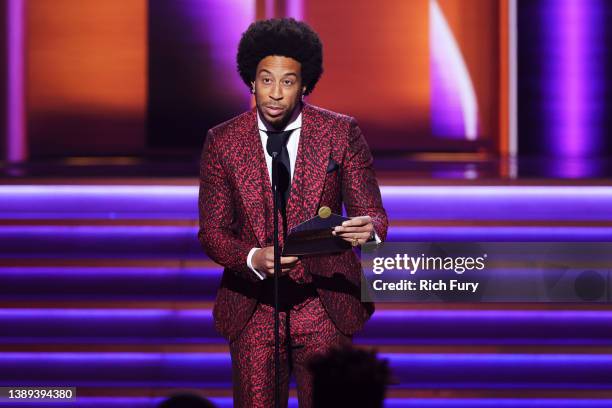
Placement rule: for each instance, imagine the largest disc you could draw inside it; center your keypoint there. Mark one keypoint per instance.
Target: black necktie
(277, 142)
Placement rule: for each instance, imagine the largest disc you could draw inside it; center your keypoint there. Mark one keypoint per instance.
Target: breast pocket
(332, 165)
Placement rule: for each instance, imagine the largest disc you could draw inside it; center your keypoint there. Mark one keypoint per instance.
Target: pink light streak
(16, 127)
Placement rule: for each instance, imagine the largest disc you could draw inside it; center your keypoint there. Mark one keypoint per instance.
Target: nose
(276, 93)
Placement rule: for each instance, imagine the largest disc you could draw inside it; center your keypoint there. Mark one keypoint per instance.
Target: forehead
(279, 65)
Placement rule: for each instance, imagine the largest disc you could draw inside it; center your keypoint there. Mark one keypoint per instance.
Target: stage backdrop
(418, 75)
(117, 77)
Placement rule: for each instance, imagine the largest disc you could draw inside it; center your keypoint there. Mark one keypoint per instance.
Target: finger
(284, 266)
(283, 271)
(353, 223)
(364, 234)
(289, 259)
(270, 257)
(357, 221)
(365, 228)
(352, 241)
(351, 235)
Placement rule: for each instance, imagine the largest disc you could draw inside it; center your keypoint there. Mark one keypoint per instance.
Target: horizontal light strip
(387, 314)
(189, 191)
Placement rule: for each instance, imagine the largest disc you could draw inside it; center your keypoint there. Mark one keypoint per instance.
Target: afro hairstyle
(284, 37)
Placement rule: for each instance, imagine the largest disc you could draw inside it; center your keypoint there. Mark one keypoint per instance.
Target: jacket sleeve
(360, 191)
(216, 212)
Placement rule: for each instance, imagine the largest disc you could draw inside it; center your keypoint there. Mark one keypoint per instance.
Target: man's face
(278, 89)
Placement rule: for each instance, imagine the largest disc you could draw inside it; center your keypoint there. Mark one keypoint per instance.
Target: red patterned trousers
(311, 332)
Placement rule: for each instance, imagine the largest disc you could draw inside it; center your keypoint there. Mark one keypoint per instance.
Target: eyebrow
(287, 74)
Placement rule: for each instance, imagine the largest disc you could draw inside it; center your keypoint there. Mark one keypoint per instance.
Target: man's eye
(266, 80)
(288, 82)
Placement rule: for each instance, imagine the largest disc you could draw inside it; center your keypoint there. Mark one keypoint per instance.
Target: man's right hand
(263, 261)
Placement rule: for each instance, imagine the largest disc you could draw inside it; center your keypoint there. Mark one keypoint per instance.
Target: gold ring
(355, 242)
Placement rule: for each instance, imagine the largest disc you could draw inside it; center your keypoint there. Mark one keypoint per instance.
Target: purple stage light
(506, 371)
(550, 203)
(414, 371)
(227, 402)
(154, 326)
(500, 234)
(16, 125)
(87, 283)
(573, 72)
(222, 23)
(295, 9)
(161, 242)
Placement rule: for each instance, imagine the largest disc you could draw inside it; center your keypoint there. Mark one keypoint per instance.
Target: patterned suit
(235, 204)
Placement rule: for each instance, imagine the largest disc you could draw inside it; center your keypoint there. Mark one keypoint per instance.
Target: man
(326, 162)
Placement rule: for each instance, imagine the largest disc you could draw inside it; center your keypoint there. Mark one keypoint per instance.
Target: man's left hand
(357, 230)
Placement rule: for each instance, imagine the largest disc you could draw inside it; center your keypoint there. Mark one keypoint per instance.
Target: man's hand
(263, 261)
(357, 230)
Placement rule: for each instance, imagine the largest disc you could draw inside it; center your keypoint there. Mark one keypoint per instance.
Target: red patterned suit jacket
(235, 208)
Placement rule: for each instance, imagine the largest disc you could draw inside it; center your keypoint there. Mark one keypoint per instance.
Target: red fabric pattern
(253, 354)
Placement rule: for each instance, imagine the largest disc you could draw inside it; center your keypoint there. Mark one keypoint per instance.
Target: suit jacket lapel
(252, 178)
(311, 164)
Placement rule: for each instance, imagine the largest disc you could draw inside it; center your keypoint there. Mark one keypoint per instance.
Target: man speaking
(324, 161)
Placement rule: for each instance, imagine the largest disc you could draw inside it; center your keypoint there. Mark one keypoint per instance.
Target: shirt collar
(294, 124)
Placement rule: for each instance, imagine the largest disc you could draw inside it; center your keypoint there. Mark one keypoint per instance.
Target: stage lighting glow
(454, 107)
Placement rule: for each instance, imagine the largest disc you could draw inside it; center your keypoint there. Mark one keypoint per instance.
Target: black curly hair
(285, 37)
